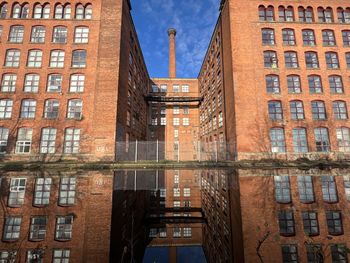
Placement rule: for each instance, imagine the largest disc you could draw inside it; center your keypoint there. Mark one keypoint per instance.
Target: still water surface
(285, 215)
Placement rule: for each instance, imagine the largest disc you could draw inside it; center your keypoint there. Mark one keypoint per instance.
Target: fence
(173, 151)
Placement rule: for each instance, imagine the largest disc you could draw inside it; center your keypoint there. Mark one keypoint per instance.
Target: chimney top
(172, 31)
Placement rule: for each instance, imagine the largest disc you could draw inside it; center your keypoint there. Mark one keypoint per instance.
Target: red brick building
(67, 70)
(275, 78)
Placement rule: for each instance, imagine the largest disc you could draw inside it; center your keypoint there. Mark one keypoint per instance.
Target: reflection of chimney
(172, 53)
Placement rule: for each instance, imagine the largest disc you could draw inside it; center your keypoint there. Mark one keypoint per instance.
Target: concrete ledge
(245, 164)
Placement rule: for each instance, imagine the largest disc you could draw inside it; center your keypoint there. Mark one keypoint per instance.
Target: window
(318, 110)
(306, 14)
(347, 186)
(221, 119)
(67, 191)
(61, 255)
(35, 58)
(163, 88)
(288, 37)
(24, 140)
(186, 110)
(88, 11)
(46, 11)
(17, 192)
(163, 121)
(339, 253)
(308, 37)
(28, 109)
(187, 192)
(293, 82)
(314, 253)
(334, 222)
(57, 59)
(9, 83)
(305, 188)
(325, 15)
(48, 140)
(3, 10)
(72, 141)
(51, 109)
(176, 88)
(290, 254)
(59, 34)
(16, 34)
(329, 189)
(31, 83)
(343, 15)
(64, 228)
(282, 189)
(343, 139)
(186, 121)
(291, 59)
(177, 192)
(37, 11)
(315, 84)
(310, 223)
(81, 35)
(4, 135)
(322, 140)
(185, 88)
(63, 11)
(79, 12)
(268, 36)
(12, 58)
(347, 58)
(275, 110)
(77, 83)
(35, 256)
(296, 110)
(7, 256)
(340, 111)
(75, 108)
(54, 83)
(38, 34)
(266, 14)
(286, 14)
(332, 60)
(12, 228)
(1, 31)
(38, 228)
(286, 223)
(272, 84)
(346, 37)
(311, 60)
(300, 144)
(278, 144)
(177, 232)
(79, 59)
(42, 191)
(6, 109)
(328, 38)
(270, 59)
(155, 88)
(336, 84)
(176, 110)
(176, 121)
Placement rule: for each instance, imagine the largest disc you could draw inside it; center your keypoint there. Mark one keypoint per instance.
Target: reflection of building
(73, 80)
(297, 216)
(55, 217)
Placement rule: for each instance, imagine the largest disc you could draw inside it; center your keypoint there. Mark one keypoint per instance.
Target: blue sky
(194, 21)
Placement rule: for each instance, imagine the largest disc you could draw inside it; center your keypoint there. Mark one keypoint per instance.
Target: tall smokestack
(172, 53)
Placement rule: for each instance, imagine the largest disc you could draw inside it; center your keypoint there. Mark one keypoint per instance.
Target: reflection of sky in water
(184, 255)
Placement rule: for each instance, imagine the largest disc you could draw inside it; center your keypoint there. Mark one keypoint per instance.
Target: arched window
(79, 11)
(291, 59)
(277, 140)
(293, 83)
(308, 37)
(6, 106)
(8, 83)
(288, 35)
(343, 15)
(343, 138)
(25, 11)
(266, 14)
(270, 59)
(51, 109)
(72, 140)
(318, 110)
(75, 107)
(3, 10)
(275, 110)
(46, 11)
(315, 84)
(4, 135)
(268, 36)
(16, 10)
(286, 14)
(272, 84)
(340, 111)
(332, 60)
(325, 15)
(37, 11)
(58, 11)
(311, 59)
(28, 109)
(322, 140)
(300, 144)
(88, 11)
(48, 140)
(67, 11)
(328, 37)
(346, 37)
(306, 15)
(336, 84)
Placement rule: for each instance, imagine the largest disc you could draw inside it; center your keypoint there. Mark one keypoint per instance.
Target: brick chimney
(172, 53)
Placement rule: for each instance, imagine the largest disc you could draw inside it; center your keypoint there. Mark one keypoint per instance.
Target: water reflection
(176, 216)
